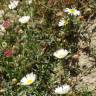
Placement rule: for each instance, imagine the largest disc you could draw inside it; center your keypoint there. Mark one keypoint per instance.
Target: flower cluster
(25, 46)
(30, 78)
(72, 12)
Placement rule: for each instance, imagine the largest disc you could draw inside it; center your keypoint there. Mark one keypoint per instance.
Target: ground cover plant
(45, 46)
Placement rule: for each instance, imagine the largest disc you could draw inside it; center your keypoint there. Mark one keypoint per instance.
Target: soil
(87, 59)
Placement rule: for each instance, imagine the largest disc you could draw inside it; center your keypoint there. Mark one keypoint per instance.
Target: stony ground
(87, 59)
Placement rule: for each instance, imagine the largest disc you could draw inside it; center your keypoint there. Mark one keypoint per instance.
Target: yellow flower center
(29, 81)
(71, 10)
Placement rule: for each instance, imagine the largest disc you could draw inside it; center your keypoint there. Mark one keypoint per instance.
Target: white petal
(61, 22)
(66, 10)
(23, 79)
(77, 13)
(63, 89)
(61, 53)
(13, 4)
(24, 19)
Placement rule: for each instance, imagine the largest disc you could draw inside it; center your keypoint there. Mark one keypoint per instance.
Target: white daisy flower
(28, 79)
(24, 19)
(13, 4)
(72, 11)
(63, 89)
(62, 22)
(61, 53)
